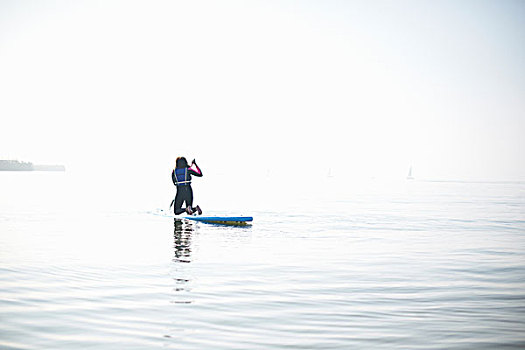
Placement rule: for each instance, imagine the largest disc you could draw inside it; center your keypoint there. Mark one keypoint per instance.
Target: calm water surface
(414, 265)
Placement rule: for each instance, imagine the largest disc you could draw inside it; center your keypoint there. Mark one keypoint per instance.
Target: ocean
(372, 265)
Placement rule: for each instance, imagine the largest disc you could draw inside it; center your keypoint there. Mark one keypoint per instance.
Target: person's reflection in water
(182, 248)
(182, 238)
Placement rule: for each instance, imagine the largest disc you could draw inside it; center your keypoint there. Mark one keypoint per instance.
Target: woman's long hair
(181, 163)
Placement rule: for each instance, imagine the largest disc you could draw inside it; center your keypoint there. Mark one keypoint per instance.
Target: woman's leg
(189, 197)
(179, 199)
(185, 196)
(189, 202)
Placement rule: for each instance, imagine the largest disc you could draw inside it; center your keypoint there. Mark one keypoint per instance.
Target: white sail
(409, 176)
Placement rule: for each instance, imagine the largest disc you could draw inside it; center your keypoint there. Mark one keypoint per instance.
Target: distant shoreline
(15, 165)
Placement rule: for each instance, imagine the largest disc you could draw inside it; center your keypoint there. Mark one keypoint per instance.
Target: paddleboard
(222, 220)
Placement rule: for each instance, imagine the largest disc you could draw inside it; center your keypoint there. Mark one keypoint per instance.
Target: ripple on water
(370, 272)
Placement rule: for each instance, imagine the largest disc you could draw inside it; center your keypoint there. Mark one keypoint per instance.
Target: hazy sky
(365, 88)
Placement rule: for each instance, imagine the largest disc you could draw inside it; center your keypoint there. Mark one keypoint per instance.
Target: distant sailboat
(409, 176)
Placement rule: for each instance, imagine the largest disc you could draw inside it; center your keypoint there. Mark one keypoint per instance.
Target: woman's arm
(197, 172)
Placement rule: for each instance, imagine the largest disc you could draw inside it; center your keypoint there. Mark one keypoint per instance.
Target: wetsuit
(182, 179)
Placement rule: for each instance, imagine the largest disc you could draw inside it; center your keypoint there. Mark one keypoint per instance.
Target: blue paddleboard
(222, 220)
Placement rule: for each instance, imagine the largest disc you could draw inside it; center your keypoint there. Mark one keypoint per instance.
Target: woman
(181, 177)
